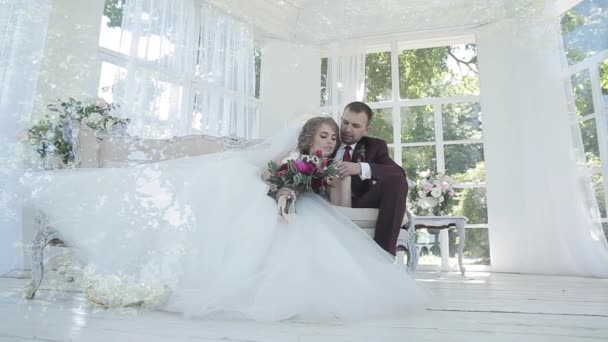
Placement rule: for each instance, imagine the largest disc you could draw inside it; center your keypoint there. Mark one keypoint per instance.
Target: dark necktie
(347, 157)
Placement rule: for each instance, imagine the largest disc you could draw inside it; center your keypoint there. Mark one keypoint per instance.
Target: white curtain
(189, 68)
(542, 212)
(23, 27)
(224, 85)
(157, 40)
(345, 76)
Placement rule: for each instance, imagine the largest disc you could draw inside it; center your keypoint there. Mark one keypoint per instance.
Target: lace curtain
(345, 77)
(188, 68)
(543, 215)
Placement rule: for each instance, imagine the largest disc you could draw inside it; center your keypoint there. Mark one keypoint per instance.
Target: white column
(22, 33)
(291, 83)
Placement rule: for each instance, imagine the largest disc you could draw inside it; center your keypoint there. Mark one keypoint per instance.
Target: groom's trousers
(389, 196)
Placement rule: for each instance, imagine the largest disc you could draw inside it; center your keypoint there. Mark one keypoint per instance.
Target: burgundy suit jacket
(373, 151)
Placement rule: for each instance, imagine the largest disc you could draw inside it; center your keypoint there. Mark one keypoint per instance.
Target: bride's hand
(287, 192)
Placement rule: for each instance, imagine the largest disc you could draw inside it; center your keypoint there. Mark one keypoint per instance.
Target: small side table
(442, 222)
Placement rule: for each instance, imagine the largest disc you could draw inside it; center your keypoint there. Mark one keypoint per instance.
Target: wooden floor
(480, 307)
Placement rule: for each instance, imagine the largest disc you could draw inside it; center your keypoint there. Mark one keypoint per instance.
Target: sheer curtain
(23, 26)
(345, 76)
(224, 82)
(186, 67)
(543, 215)
(157, 39)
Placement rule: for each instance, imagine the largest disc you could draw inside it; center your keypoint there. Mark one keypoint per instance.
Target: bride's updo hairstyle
(310, 128)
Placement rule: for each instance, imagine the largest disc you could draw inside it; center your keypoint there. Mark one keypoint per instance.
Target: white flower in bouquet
(425, 174)
(95, 118)
(441, 199)
(421, 193)
(436, 192)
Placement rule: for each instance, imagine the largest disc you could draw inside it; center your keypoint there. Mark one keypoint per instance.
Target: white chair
(366, 219)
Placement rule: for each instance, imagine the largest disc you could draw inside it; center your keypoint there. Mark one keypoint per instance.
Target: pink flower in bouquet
(100, 102)
(445, 185)
(304, 167)
(282, 170)
(427, 187)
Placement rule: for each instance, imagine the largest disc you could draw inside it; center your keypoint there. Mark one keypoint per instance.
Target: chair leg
(412, 251)
(400, 255)
(38, 245)
(41, 240)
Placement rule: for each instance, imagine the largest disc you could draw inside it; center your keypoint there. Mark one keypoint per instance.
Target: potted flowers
(52, 136)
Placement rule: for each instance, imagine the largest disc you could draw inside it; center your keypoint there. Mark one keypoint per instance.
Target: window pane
(472, 203)
(462, 121)
(440, 71)
(460, 158)
(158, 108)
(417, 159)
(160, 38)
(111, 35)
(257, 55)
(604, 85)
(600, 195)
(584, 30)
(323, 81)
(111, 81)
(605, 226)
(475, 174)
(604, 80)
(378, 77)
(583, 98)
(476, 247)
(382, 124)
(590, 142)
(417, 124)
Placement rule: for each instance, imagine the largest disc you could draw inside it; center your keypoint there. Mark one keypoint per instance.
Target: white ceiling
(322, 21)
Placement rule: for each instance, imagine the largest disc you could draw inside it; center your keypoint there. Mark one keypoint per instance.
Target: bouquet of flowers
(433, 192)
(306, 173)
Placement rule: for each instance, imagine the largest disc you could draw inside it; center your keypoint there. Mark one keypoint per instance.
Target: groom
(377, 181)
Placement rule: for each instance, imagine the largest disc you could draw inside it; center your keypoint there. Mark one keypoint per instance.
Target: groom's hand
(348, 169)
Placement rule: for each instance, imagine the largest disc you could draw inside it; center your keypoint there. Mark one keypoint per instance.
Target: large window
(426, 106)
(178, 71)
(585, 38)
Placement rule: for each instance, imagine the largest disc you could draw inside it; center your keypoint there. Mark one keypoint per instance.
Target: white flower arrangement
(433, 191)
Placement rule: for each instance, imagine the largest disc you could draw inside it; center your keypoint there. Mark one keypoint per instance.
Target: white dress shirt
(366, 170)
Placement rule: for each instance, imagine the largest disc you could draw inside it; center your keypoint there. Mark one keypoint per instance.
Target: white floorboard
(480, 307)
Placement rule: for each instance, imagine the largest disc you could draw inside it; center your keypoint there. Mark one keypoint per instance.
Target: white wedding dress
(200, 236)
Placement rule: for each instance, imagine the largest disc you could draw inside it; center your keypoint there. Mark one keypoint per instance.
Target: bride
(200, 236)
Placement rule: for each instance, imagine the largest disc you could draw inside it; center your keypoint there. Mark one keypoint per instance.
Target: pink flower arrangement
(307, 173)
(433, 191)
